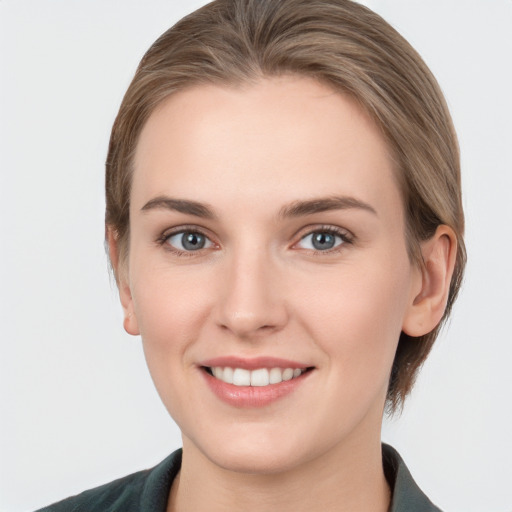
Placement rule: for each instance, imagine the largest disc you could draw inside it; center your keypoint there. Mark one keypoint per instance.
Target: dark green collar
(407, 496)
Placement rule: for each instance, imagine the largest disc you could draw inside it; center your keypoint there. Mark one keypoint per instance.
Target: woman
(284, 222)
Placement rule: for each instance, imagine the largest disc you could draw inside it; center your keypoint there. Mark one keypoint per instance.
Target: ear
(120, 267)
(432, 284)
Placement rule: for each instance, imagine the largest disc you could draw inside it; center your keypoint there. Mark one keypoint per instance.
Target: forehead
(280, 137)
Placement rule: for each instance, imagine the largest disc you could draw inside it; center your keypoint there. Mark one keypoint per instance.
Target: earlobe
(130, 323)
(428, 302)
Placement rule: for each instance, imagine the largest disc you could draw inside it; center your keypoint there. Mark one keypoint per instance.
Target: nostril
(247, 325)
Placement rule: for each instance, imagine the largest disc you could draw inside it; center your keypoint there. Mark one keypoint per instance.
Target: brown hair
(342, 44)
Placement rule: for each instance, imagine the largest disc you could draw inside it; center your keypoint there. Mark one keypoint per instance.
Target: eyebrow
(324, 204)
(294, 209)
(180, 205)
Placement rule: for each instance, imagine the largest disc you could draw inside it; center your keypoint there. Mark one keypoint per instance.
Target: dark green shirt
(147, 491)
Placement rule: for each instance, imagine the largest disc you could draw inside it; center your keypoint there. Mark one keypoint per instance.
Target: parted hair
(341, 44)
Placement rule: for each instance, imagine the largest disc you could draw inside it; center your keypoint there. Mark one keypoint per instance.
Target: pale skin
(257, 285)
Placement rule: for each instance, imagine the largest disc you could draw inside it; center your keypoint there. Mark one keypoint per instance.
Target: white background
(77, 405)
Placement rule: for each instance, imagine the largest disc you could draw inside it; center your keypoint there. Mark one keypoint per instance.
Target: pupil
(193, 241)
(323, 241)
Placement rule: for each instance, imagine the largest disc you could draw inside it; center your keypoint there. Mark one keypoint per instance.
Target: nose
(253, 298)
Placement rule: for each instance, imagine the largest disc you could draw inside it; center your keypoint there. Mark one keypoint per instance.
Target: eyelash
(193, 230)
(346, 239)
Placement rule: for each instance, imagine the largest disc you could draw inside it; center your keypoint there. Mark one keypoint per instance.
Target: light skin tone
(290, 197)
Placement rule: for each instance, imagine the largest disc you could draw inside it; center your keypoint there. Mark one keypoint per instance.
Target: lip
(252, 396)
(253, 363)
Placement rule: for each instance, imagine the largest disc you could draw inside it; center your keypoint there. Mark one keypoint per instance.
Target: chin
(249, 452)
(256, 452)
(256, 461)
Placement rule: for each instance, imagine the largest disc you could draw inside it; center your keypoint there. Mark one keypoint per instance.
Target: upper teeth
(259, 377)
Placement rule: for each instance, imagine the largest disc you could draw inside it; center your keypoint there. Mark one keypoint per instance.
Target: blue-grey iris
(323, 241)
(193, 241)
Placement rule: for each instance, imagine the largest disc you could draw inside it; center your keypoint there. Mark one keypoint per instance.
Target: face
(268, 273)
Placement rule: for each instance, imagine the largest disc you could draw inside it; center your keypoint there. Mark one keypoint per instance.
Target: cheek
(168, 301)
(171, 309)
(356, 317)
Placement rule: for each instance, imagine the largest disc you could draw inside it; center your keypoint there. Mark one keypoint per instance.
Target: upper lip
(252, 363)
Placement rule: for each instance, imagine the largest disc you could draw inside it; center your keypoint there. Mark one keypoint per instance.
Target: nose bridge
(252, 300)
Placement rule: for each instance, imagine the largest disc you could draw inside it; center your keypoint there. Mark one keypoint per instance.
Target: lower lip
(253, 396)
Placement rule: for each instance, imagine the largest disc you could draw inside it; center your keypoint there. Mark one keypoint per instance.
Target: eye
(322, 240)
(188, 241)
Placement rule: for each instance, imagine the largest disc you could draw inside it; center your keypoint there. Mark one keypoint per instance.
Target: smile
(254, 382)
(259, 377)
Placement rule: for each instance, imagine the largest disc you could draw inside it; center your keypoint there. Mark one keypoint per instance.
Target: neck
(344, 479)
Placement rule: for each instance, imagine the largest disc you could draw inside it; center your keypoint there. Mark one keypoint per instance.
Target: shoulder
(123, 492)
(146, 490)
(407, 495)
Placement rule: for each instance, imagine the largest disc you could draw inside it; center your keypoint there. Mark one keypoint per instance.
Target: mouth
(254, 382)
(258, 377)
